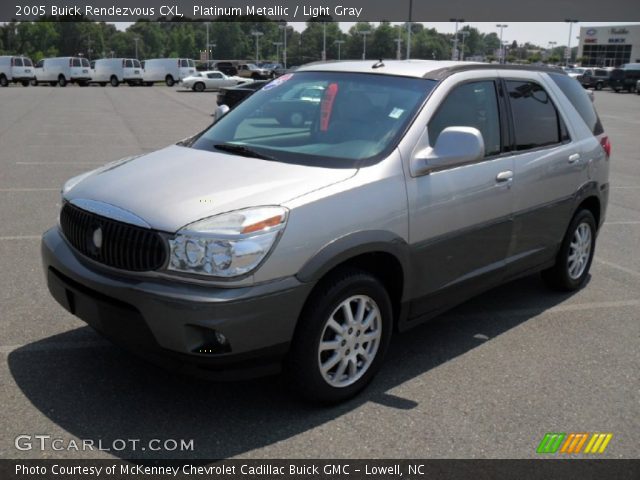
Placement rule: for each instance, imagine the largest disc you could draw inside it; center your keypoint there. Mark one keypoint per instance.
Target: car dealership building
(609, 46)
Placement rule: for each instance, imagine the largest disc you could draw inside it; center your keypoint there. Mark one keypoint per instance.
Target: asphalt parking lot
(486, 380)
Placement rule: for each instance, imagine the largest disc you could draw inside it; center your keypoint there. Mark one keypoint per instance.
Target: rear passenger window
(579, 99)
(470, 105)
(17, 62)
(536, 120)
(128, 64)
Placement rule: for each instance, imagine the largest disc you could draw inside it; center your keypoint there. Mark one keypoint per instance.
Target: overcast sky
(539, 33)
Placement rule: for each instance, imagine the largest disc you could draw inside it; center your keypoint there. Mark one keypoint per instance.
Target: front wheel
(341, 338)
(114, 81)
(34, 82)
(198, 87)
(599, 86)
(62, 81)
(169, 81)
(573, 262)
(25, 83)
(3, 81)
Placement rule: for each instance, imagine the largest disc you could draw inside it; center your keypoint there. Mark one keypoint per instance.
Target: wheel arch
(382, 254)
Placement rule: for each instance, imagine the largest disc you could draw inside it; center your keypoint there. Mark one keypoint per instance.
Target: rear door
(548, 167)
(460, 217)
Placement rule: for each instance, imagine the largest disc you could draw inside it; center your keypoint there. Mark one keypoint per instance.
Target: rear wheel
(599, 86)
(114, 81)
(198, 87)
(3, 81)
(342, 336)
(62, 81)
(169, 81)
(25, 83)
(571, 269)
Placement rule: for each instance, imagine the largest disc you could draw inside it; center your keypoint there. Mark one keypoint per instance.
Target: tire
(599, 86)
(25, 83)
(567, 275)
(34, 82)
(62, 81)
(114, 81)
(328, 303)
(198, 87)
(169, 81)
(3, 81)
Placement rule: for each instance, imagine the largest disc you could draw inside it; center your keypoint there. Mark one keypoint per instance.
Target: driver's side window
(473, 104)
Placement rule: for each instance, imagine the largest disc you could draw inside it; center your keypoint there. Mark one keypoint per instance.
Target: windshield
(321, 116)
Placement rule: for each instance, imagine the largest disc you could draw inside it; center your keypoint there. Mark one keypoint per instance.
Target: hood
(175, 186)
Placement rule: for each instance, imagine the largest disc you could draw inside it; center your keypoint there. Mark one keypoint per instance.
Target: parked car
(625, 77)
(249, 70)
(211, 80)
(228, 68)
(63, 70)
(231, 96)
(253, 246)
(116, 71)
(168, 70)
(596, 78)
(16, 69)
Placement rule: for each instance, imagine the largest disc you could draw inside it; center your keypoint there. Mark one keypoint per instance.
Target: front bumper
(169, 322)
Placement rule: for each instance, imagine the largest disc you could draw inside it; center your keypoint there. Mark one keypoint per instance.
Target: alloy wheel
(579, 251)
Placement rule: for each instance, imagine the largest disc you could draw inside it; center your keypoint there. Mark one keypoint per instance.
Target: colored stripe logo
(573, 443)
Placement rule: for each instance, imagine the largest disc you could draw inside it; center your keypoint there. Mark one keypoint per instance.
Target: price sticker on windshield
(278, 81)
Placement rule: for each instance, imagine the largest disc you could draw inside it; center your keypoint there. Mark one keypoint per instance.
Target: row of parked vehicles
(114, 71)
(627, 77)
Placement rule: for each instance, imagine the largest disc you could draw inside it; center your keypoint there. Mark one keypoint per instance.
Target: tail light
(606, 145)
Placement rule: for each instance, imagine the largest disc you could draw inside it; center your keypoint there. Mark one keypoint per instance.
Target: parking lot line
(59, 163)
(22, 237)
(29, 190)
(618, 267)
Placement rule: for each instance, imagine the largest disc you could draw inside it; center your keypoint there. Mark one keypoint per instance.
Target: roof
(432, 69)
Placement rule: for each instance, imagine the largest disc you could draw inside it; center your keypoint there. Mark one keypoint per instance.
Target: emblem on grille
(97, 237)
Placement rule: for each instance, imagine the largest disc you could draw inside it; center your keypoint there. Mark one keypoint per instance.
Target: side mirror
(220, 112)
(454, 146)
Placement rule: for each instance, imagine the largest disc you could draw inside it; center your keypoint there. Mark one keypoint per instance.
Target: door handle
(506, 176)
(574, 158)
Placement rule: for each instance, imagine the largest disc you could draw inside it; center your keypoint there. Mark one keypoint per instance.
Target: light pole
(398, 45)
(567, 54)
(257, 34)
(324, 41)
(136, 40)
(501, 26)
(206, 55)
(339, 42)
(409, 30)
(454, 52)
(464, 34)
(364, 34)
(551, 45)
(283, 26)
(277, 44)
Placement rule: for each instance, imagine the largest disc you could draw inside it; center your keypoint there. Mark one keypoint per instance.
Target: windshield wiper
(242, 150)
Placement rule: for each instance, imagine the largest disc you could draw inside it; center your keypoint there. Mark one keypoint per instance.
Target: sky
(520, 31)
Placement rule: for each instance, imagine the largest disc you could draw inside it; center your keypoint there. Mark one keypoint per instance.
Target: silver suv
(400, 190)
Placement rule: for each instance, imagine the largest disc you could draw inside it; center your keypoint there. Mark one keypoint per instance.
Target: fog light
(215, 343)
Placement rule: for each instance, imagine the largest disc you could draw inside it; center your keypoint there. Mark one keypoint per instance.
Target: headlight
(227, 245)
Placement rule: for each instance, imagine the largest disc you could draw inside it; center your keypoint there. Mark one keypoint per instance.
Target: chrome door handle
(505, 176)
(574, 158)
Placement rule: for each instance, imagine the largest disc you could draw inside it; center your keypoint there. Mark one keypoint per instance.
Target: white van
(116, 71)
(16, 69)
(63, 70)
(168, 70)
